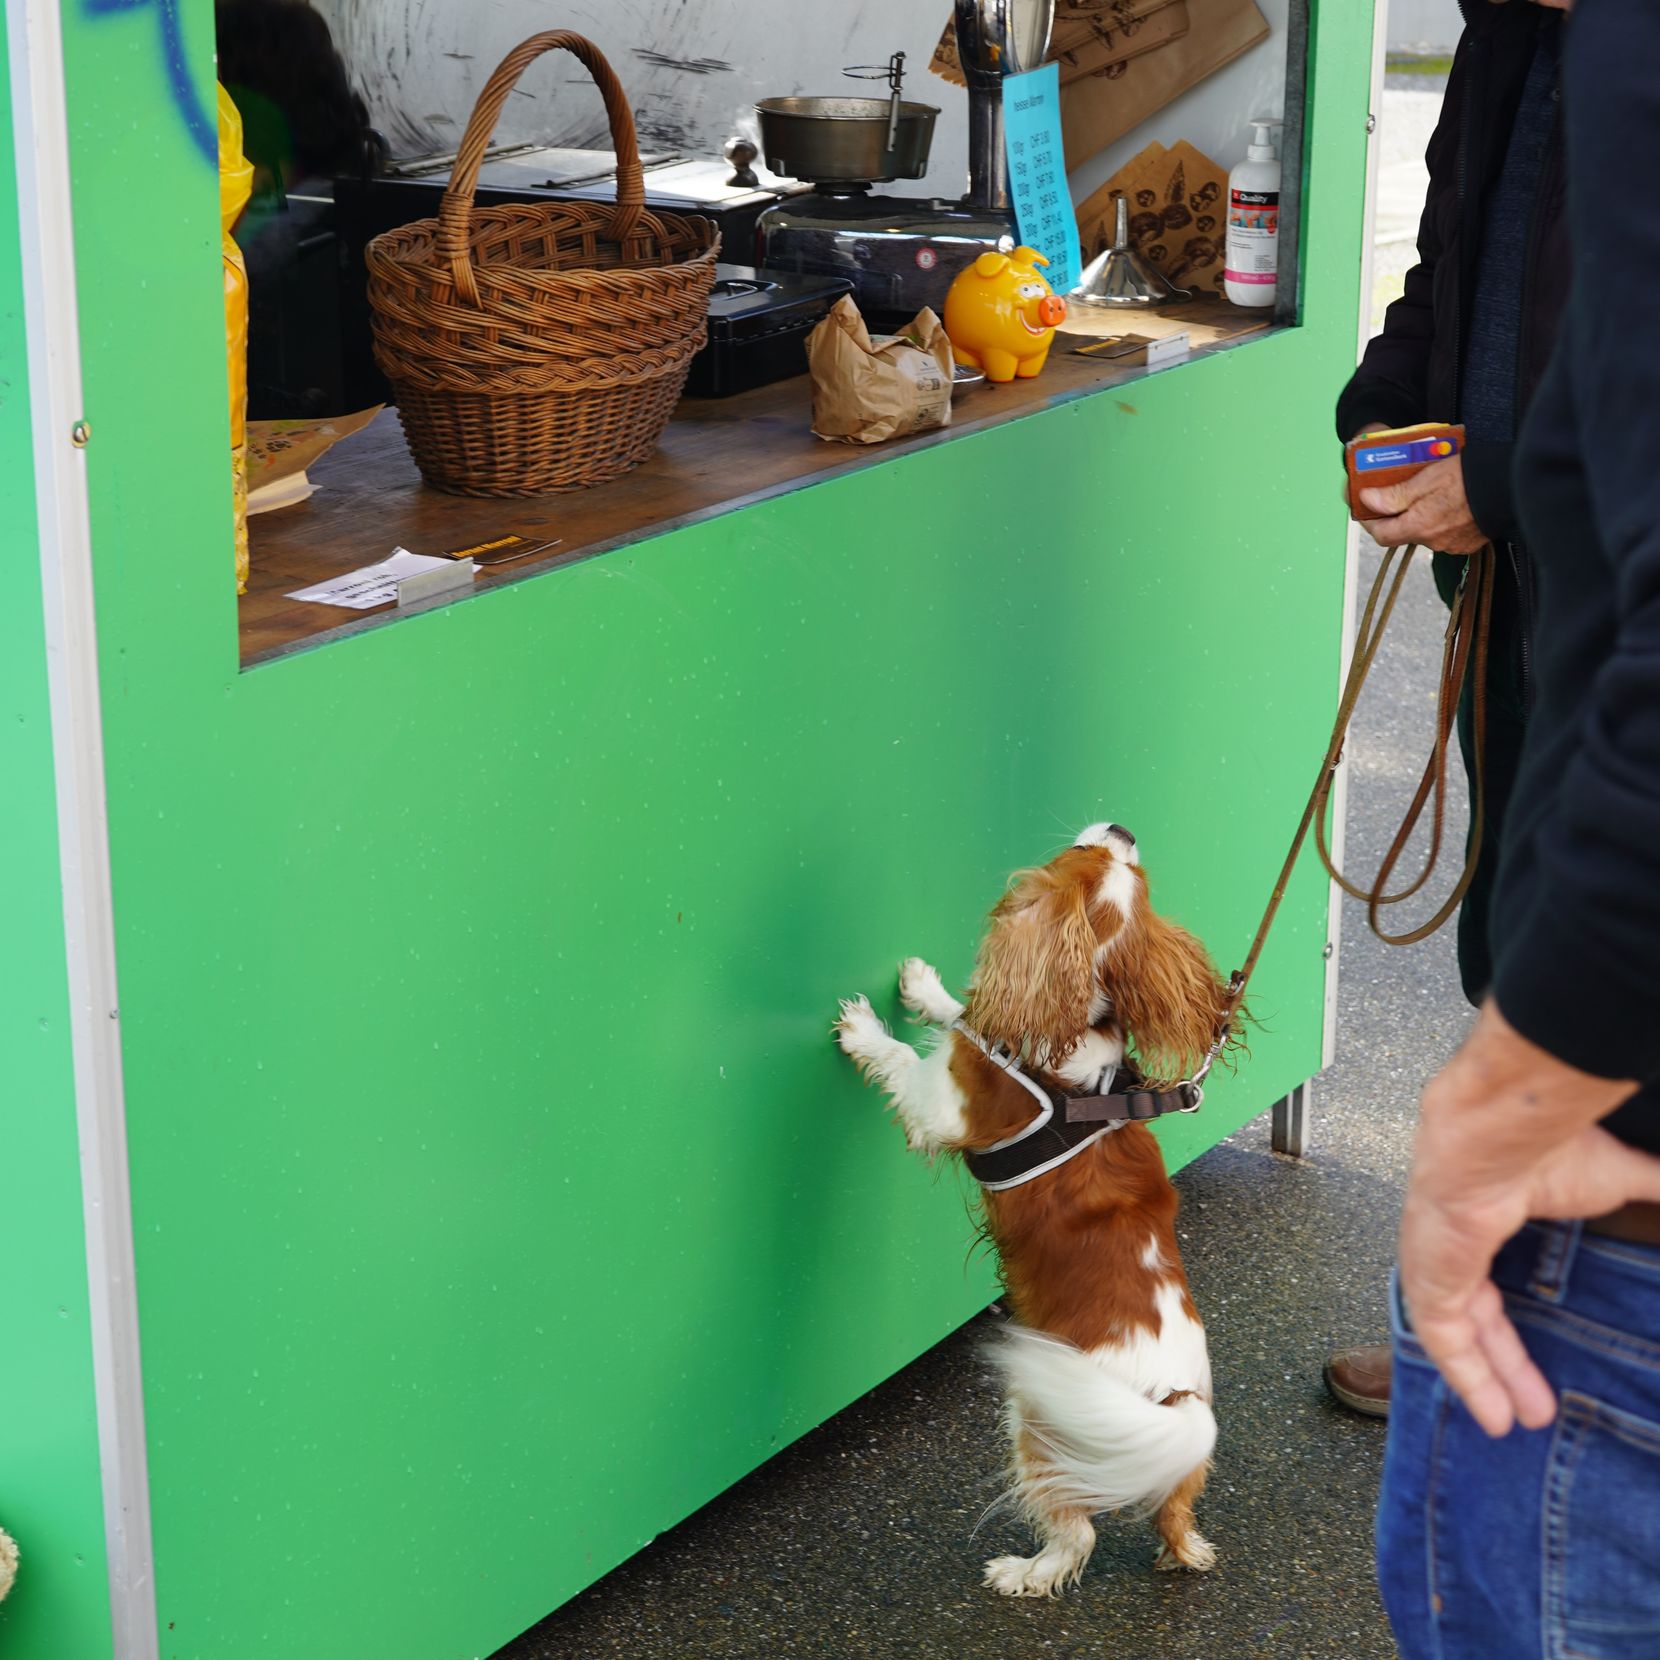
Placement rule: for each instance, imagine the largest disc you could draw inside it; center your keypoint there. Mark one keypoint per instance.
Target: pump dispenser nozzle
(1262, 139)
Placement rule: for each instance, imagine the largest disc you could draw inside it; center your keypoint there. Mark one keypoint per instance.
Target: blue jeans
(1545, 1545)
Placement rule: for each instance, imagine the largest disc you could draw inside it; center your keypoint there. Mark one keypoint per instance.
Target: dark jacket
(1412, 371)
(1576, 919)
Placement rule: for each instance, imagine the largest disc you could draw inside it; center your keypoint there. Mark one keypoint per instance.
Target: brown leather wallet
(1637, 1223)
(1379, 458)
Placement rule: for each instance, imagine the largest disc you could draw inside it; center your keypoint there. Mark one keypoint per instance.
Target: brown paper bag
(279, 452)
(1098, 43)
(1101, 108)
(1178, 214)
(1100, 204)
(945, 63)
(1140, 180)
(1115, 24)
(870, 387)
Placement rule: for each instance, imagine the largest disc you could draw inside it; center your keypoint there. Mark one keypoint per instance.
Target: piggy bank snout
(1051, 311)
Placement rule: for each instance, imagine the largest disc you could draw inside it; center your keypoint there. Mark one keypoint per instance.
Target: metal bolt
(1371, 123)
(1330, 951)
(80, 435)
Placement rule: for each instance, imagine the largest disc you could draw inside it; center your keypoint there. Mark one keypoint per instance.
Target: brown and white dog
(1105, 1366)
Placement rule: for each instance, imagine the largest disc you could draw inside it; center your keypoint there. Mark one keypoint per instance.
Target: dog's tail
(1101, 1443)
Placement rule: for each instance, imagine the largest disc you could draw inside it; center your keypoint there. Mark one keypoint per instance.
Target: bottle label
(1253, 235)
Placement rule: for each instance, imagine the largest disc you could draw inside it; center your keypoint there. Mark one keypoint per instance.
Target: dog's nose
(1119, 830)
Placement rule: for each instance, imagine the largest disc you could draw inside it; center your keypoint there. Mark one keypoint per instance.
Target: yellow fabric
(236, 183)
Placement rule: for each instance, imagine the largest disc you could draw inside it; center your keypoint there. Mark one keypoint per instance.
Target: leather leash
(1464, 649)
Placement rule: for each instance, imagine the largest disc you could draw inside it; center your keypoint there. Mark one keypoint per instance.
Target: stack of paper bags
(1090, 37)
(1178, 214)
(1124, 60)
(1096, 111)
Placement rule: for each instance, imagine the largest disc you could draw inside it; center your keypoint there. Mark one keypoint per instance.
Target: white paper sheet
(373, 585)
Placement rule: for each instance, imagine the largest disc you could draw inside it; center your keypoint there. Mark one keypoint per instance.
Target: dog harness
(1066, 1124)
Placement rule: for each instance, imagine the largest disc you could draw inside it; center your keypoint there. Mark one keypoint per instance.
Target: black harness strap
(1136, 1105)
(1066, 1124)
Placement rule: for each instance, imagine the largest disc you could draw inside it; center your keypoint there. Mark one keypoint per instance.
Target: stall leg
(1291, 1122)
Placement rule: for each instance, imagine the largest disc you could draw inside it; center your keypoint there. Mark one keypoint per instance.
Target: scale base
(901, 253)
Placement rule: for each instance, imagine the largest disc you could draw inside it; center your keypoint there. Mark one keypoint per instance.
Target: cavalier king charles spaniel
(1079, 989)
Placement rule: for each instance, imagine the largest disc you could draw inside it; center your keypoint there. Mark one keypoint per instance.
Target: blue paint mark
(203, 130)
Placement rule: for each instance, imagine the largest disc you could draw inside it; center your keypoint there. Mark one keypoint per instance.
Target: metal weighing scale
(899, 252)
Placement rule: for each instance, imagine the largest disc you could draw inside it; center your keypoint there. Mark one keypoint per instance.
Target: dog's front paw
(858, 1031)
(1044, 1575)
(923, 992)
(1195, 1552)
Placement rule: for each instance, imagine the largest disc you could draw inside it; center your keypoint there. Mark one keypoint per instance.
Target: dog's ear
(1166, 993)
(1035, 975)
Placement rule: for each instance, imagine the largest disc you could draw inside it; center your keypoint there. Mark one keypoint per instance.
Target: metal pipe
(996, 39)
(988, 162)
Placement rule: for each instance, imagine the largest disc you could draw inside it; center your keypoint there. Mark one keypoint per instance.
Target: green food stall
(427, 1173)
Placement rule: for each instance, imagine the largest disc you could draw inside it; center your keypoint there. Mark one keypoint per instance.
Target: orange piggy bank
(1001, 315)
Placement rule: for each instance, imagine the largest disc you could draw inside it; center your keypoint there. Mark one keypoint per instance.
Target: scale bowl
(844, 140)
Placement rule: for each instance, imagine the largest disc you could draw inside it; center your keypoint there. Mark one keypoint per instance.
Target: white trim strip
(1351, 554)
(41, 130)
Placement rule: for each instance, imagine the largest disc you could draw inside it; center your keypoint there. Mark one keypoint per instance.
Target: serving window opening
(880, 184)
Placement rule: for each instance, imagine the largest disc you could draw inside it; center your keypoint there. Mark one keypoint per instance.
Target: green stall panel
(499, 1195)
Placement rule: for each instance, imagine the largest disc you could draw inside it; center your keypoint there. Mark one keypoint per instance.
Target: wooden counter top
(717, 454)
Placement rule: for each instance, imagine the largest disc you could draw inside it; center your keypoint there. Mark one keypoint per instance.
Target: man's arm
(1390, 388)
(1391, 385)
(1507, 1133)
(1580, 974)
(1510, 1128)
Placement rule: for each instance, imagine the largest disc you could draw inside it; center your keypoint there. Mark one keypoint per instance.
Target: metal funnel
(1120, 277)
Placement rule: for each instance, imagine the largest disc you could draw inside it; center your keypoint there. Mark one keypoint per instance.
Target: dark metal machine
(901, 253)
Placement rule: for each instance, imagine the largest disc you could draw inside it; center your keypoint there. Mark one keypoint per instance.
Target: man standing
(1469, 341)
(1495, 1540)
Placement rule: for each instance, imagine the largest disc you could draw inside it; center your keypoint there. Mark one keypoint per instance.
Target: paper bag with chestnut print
(1178, 219)
(1089, 37)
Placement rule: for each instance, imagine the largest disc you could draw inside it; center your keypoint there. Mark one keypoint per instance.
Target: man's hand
(1430, 508)
(1507, 1133)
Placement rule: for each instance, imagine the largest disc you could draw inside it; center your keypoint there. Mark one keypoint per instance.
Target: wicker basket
(539, 346)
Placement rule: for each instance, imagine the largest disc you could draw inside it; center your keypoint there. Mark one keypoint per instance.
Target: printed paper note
(1037, 173)
(373, 585)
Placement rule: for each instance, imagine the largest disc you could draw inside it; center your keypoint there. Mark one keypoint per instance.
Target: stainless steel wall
(694, 68)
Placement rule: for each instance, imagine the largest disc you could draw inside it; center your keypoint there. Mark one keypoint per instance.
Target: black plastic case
(758, 327)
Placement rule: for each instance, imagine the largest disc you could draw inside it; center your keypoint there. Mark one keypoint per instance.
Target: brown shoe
(1359, 1378)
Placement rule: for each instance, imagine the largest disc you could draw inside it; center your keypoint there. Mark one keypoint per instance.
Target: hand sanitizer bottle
(1254, 220)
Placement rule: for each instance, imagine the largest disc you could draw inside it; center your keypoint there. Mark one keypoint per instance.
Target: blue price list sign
(1037, 173)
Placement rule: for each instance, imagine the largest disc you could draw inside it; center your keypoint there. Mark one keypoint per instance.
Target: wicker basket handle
(455, 213)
